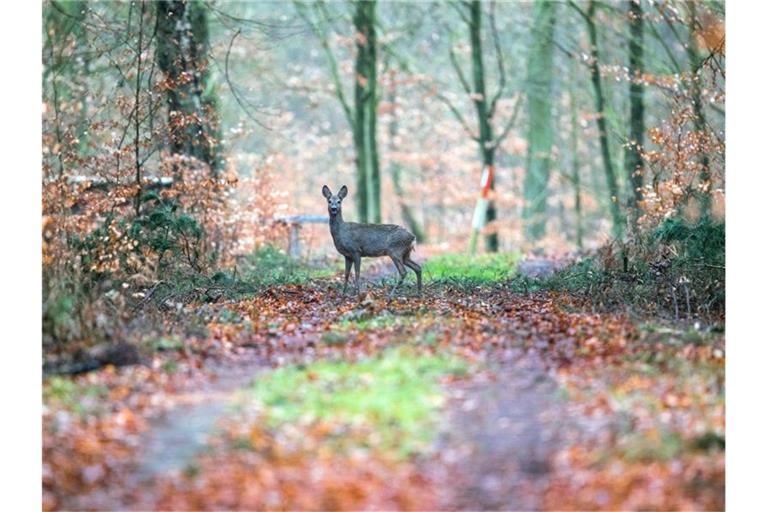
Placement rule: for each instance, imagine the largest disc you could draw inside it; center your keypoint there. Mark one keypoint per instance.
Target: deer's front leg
(347, 268)
(357, 273)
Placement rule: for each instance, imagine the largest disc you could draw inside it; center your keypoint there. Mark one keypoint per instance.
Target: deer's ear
(343, 192)
(326, 192)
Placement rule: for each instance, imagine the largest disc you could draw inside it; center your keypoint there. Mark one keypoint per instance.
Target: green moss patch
(396, 396)
(482, 268)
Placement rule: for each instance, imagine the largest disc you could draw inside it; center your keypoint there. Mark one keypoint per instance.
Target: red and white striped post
(481, 208)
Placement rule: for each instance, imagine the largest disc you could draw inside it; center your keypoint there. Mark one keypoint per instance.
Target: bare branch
(510, 122)
(332, 64)
(578, 10)
(665, 14)
(462, 15)
(232, 88)
(403, 64)
(499, 62)
(459, 73)
(458, 115)
(667, 49)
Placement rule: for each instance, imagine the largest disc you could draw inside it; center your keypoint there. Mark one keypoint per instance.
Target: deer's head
(334, 201)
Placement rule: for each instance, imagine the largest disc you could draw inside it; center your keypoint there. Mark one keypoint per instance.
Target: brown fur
(355, 241)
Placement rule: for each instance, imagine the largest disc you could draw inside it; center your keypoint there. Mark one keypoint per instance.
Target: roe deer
(354, 241)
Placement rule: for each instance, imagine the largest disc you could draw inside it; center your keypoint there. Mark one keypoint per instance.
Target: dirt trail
(181, 432)
(503, 435)
(175, 437)
(504, 432)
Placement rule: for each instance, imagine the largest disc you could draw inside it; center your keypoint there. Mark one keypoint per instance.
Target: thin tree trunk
(610, 175)
(211, 145)
(80, 8)
(137, 124)
(700, 120)
(634, 159)
(540, 134)
(575, 174)
(57, 121)
(486, 142)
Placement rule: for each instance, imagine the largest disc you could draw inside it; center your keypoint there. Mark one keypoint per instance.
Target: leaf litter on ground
(644, 424)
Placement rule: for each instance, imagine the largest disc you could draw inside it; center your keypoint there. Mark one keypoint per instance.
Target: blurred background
(404, 102)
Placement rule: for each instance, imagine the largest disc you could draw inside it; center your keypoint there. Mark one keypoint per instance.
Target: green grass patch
(334, 338)
(662, 446)
(479, 269)
(168, 344)
(80, 398)
(170, 366)
(271, 266)
(396, 395)
(341, 331)
(373, 323)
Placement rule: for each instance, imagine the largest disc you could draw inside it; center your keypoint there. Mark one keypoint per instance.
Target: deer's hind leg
(415, 267)
(401, 270)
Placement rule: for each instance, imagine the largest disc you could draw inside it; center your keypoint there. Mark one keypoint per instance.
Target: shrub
(677, 269)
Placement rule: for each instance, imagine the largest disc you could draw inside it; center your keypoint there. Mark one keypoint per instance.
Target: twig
(149, 295)
(674, 301)
(232, 88)
(137, 110)
(457, 114)
(499, 62)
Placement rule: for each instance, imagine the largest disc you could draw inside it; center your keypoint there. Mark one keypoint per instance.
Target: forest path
(529, 403)
(180, 433)
(503, 435)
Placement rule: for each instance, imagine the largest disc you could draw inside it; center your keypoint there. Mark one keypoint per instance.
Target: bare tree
(362, 114)
(597, 87)
(485, 108)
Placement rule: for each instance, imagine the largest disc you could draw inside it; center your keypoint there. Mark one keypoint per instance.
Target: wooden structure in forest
(294, 223)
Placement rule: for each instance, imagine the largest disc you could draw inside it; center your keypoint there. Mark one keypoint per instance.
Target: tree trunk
(361, 112)
(137, 110)
(540, 134)
(68, 60)
(634, 159)
(182, 44)
(210, 102)
(372, 103)
(699, 120)
(610, 175)
(486, 142)
(575, 174)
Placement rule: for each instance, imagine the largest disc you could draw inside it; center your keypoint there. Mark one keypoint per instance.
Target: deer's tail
(412, 248)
